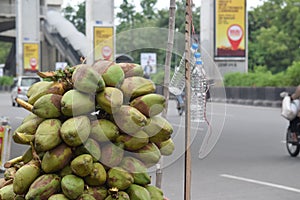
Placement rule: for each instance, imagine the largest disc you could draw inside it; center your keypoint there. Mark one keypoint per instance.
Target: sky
(164, 3)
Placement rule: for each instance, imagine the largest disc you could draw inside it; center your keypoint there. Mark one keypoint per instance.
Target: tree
(127, 12)
(4, 51)
(274, 34)
(126, 16)
(76, 15)
(148, 8)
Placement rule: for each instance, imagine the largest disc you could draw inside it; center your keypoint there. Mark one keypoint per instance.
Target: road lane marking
(261, 183)
(220, 114)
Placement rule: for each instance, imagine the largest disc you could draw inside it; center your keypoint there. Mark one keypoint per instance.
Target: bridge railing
(7, 10)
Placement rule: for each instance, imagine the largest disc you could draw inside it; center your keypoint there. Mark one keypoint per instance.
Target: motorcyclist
(291, 104)
(180, 102)
(296, 94)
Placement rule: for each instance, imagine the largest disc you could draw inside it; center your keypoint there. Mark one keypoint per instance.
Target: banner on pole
(230, 28)
(103, 43)
(31, 57)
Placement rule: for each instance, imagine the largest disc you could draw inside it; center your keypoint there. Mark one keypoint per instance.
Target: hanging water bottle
(195, 79)
(177, 82)
(195, 71)
(199, 89)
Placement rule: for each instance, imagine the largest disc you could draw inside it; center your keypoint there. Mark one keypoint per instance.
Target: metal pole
(167, 78)
(187, 164)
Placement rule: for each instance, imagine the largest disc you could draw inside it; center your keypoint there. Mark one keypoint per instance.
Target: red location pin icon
(106, 52)
(33, 63)
(235, 35)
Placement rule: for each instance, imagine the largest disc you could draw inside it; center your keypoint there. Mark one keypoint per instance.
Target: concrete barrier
(256, 96)
(5, 88)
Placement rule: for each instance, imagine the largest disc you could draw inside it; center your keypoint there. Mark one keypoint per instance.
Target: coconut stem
(46, 74)
(24, 104)
(34, 153)
(8, 182)
(12, 162)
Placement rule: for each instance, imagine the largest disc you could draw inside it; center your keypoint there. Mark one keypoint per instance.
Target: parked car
(21, 86)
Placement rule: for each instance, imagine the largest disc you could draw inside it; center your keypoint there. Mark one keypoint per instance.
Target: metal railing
(7, 10)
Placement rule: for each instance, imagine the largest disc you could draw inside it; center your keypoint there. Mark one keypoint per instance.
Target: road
(249, 161)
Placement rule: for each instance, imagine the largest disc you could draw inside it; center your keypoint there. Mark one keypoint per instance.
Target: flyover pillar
(27, 36)
(100, 30)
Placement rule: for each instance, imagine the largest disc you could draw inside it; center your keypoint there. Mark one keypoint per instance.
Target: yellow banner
(230, 28)
(104, 43)
(31, 56)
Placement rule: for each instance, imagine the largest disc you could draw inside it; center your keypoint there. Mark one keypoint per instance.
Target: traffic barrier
(257, 96)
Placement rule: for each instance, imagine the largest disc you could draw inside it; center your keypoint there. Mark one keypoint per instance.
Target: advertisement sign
(31, 57)
(103, 43)
(230, 28)
(148, 62)
(60, 65)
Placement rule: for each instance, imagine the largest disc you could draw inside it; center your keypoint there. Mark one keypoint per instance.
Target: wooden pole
(169, 54)
(187, 164)
(167, 77)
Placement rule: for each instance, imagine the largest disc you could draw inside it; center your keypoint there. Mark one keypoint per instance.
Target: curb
(249, 102)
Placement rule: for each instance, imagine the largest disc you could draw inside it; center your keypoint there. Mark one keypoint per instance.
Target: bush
(158, 77)
(6, 81)
(261, 77)
(293, 74)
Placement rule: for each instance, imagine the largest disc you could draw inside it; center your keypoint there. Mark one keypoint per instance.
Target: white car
(21, 86)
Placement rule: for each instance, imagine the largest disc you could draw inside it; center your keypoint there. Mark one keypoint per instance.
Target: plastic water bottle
(177, 82)
(198, 91)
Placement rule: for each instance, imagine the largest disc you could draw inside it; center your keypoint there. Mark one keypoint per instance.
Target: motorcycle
(290, 109)
(293, 137)
(180, 102)
(180, 99)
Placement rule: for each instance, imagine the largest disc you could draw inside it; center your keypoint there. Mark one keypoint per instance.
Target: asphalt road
(249, 160)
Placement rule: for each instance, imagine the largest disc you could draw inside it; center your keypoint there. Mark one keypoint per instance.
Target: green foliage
(76, 15)
(293, 74)
(274, 35)
(158, 77)
(147, 6)
(262, 77)
(6, 81)
(4, 51)
(127, 12)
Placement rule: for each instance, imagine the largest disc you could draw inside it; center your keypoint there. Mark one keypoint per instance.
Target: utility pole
(167, 77)
(187, 164)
